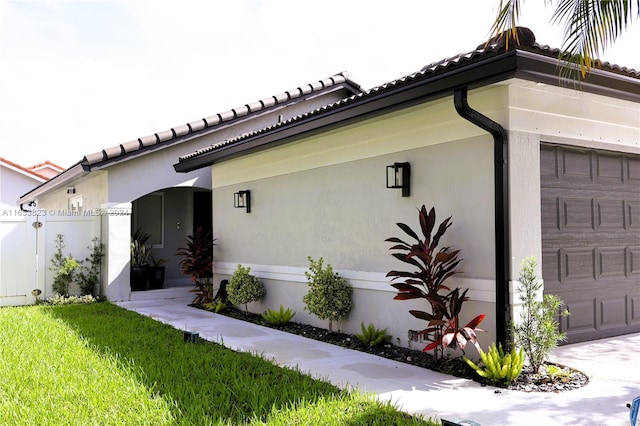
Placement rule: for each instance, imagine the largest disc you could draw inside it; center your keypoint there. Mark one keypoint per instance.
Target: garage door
(591, 239)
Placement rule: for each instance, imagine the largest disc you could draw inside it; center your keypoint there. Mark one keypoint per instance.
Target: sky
(79, 76)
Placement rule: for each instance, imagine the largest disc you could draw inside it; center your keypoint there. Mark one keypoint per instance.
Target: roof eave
(486, 71)
(69, 175)
(544, 69)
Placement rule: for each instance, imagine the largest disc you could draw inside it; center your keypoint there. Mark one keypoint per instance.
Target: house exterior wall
(12, 185)
(112, 190)
(93, 188)
(542, 113)
(326, 196)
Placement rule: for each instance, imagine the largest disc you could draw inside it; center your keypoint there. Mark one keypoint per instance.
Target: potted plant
(156, 272)
(139, 263)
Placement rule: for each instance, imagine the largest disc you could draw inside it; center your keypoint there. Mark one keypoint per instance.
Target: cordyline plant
(198, 262)
(434, 266)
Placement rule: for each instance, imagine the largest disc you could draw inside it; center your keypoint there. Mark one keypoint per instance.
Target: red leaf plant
(198, 262)
(434, 266)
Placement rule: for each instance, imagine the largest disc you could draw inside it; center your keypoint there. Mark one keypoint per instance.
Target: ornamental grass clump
(329, 295)
(244, 287)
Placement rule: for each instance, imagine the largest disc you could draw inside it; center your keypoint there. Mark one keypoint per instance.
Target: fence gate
(27, 245)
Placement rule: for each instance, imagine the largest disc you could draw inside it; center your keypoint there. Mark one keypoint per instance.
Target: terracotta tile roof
(46, 164)
(203, 125)
(26, 170)
(492, 48)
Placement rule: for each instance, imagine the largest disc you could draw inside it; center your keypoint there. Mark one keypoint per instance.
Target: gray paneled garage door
(591, 239)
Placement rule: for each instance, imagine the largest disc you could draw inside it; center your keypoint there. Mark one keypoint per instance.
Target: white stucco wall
(326, 196)
(93, 189)
(13, 184)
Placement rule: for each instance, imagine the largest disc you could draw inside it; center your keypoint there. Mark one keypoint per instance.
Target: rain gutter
(501, 209)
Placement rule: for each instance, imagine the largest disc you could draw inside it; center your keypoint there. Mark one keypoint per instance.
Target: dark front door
(202, 211)
(591, 239)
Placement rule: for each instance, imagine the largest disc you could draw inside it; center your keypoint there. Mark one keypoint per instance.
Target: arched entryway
(167, 216)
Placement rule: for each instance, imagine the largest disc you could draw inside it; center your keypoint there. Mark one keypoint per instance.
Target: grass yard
(101, 364)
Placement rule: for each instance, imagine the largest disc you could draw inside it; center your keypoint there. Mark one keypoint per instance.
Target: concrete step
(163, 293)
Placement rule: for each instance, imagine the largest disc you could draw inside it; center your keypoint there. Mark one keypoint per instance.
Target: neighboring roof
(21, 169)
(487, 64)
(209, 124)
(47, 169)
(175, 135)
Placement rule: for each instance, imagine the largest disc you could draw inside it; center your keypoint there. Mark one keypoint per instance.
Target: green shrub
(60, 299)
(556, 373)
(89, 275)
(372, 336)
(279, 317)
(329, 295)
(216, 306)
(244, 287)
(64, 268)
(538, 331)
(498, 366)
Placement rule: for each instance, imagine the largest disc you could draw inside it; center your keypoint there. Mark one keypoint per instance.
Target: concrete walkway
(613, 366)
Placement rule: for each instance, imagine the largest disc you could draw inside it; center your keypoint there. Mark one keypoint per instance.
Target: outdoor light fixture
(191, 336)
(242, 200)
(71, 189)
(399, 176)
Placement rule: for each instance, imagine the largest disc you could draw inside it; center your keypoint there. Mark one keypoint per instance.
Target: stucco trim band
(480, 290)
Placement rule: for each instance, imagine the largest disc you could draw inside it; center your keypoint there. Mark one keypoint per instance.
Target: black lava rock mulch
(563, 378)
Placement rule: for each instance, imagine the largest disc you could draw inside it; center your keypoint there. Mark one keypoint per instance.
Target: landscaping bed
(563, 378)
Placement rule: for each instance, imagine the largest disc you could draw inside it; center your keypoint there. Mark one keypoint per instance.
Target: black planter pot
(138, 278)
(156, 277)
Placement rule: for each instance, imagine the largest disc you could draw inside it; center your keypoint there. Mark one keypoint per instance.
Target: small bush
(329, 295)
(279, 317)
(60, 299)
(216, 306)
(498, 366)
(372, 336)
(244, 287)
(89, 275)
(538, 331)
(64, 267)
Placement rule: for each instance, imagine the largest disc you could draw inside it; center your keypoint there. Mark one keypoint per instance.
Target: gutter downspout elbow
(501, 209)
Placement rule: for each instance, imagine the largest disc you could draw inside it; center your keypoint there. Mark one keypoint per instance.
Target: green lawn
(100, 364)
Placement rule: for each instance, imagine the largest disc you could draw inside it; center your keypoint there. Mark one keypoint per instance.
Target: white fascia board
(54, 183)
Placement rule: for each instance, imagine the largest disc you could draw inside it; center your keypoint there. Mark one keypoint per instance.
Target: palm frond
(591, 26)
(507, 20)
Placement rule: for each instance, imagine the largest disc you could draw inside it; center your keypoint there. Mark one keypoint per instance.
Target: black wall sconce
(399, 176)
(242, 200)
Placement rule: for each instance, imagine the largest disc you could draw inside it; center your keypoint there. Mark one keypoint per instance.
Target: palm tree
(590, 27)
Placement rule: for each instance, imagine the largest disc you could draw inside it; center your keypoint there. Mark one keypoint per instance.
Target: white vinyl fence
(27, 244)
